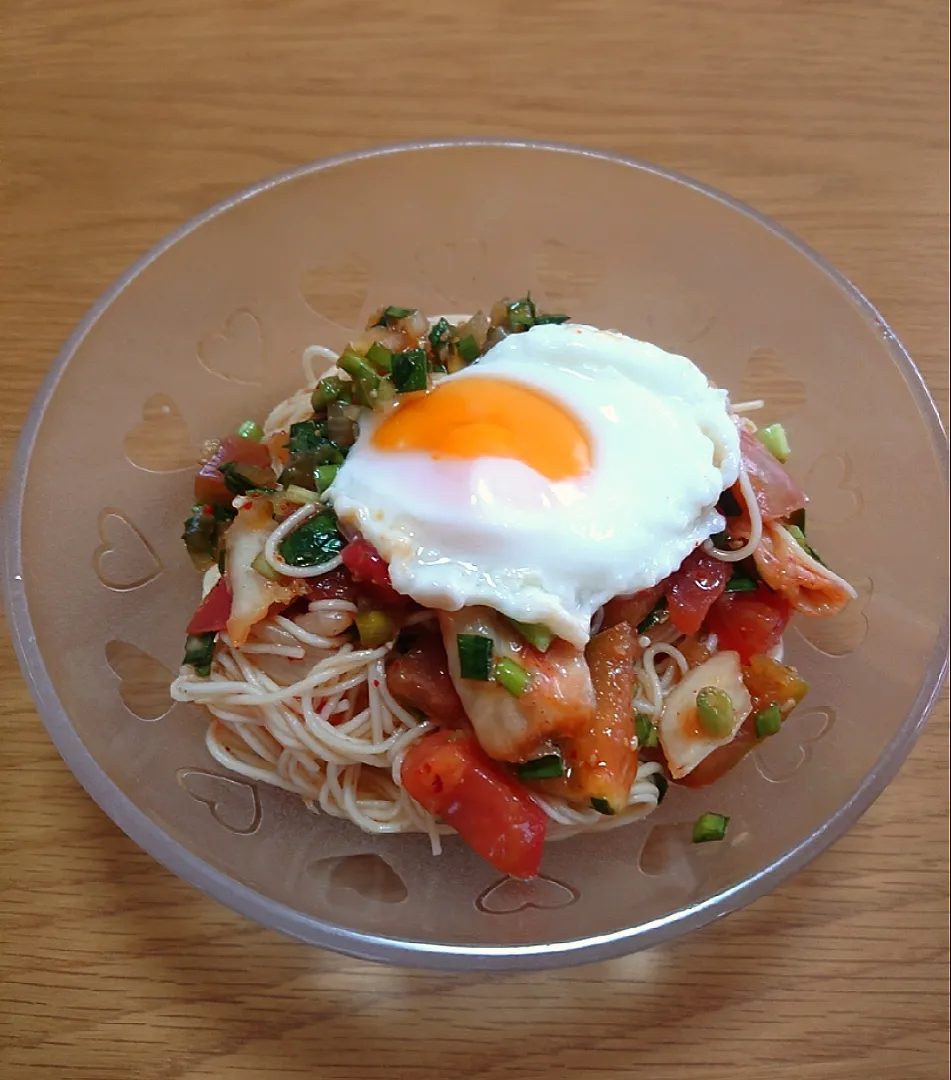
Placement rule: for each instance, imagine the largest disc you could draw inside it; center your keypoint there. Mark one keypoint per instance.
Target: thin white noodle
(747, 406)
(756, 526)
(281, 533)
(311, 353)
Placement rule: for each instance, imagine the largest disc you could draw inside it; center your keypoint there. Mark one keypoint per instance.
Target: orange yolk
(487, 417)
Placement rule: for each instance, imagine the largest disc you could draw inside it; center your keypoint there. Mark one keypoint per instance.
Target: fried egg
(568, 466)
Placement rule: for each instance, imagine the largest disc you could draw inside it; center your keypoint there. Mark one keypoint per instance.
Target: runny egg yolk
(488, 417)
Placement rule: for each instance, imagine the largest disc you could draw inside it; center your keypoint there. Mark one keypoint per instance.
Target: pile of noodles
(300, 707)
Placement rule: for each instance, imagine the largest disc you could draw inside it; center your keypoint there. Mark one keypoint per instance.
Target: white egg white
(493, 531)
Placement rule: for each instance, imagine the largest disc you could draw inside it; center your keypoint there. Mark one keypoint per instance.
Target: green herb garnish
(314, 542)
(410, 371)
(475, 656)
(548, 767)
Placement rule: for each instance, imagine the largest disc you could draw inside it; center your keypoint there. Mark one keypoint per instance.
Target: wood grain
(120, 119)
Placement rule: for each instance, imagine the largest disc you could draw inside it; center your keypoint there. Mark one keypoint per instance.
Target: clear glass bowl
(208, 329)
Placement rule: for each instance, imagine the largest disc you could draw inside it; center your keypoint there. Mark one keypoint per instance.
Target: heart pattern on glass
(124, 560)
(455, 271)
(236, 351)
(834, 498)
(840, 634)
(160, 441)
(143, 681)
(780, 757)
(233, 803)
(367, 875)
(510, 895)
(766, 376)
(337, 292)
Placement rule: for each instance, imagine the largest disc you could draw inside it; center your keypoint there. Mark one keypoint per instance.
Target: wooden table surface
(120, 119)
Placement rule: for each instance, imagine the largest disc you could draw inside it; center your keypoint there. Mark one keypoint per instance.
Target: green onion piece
(513, 677)
(380, 357)
(715, 711)
(441, 334)
(200, 536)
(475, 656)
(768, 722)
(333, 388)
(602, 806)
(410, 371)
(775, 441)
(300, 495)
(657, 616)
(365, 379)
(798, 535)
(251, 429)
(535, 634)
(521, 313)
(264, 568)
(375, 628)
(242, 478)
(544, 768)
(325, 476)
(662, 784)
(468, 348)
(710, 827)
(199, 649)
(315, 542)
(545, 320)
(646, 731)
(398, 312)
(306, 436)
(741, 583)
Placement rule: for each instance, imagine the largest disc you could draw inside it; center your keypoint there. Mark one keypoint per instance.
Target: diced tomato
(366, 564)
(450, 775)
(749, 623)
(632, 609)
(213, 612)
(777, 494)
(334, 585)
(694, 588)
(420, 679)
(772, 683)
(210, 485)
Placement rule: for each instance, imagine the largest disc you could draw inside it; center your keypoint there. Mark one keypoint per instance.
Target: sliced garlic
(684, 742)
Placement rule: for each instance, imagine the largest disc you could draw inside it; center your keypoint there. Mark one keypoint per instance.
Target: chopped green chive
(313, 543)
(410, 371)
(325, 476)
(331, 389)
(646, 731)
(513, 677)
(715, 711)
(654, 618)
(768, 722)
(264, 568)
(366, 381)
(535, 634)
(200, 536)
(441, 334)
(522, 313)
(475, 656)
(252, 430)
(468, 348)
(398, 312)
(199, 649)
(375, 628)
(710, 827)
(548, 767)
(380, 357)
(795, 531)
(662, 784)
(741, 583)
(775, 441)
(602, 806)
(544, 320)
